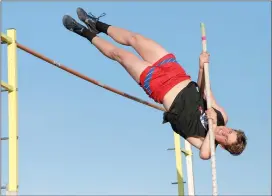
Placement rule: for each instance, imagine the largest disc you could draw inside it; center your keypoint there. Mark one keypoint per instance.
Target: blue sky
(77, 138)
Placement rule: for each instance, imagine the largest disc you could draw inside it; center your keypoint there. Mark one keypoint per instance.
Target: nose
(225, 133)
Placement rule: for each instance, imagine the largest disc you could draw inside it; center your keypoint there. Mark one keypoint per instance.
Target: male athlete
(166, 82)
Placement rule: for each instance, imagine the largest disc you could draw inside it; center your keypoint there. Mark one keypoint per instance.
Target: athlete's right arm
(205, 150)
(202, 145)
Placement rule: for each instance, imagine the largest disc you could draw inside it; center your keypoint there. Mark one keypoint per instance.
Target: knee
(116, 54)
(134, 38)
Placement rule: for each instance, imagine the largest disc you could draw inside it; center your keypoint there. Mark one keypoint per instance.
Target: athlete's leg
(133, 65)
(148, 49)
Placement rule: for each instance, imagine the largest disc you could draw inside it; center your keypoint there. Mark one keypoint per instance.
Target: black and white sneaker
(72, 25)
(89, 19)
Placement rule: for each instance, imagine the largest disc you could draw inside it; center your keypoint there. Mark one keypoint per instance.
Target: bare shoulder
(223, 112)
(218, 107)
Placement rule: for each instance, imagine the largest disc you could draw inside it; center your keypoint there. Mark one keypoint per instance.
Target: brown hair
(239, 146)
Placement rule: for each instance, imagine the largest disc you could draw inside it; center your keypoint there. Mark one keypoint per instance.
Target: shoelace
(97, 18)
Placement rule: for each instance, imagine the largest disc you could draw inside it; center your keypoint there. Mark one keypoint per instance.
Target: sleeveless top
(187, 113)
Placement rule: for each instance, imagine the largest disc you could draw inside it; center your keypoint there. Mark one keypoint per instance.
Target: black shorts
(187, 113)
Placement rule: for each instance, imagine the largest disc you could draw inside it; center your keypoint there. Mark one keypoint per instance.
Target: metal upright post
(179, 164)
(12, 188)
(6, 88)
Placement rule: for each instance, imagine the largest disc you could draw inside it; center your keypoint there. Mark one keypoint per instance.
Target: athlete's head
(232, 140)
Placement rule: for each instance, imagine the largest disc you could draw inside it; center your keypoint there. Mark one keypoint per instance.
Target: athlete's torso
(171, 94)
(187, 113)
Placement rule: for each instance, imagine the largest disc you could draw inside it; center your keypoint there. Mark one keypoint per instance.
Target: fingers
(204, 57)
(211, 114)
(205, 53)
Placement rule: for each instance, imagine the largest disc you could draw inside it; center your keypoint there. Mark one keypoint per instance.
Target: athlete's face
(225, 136)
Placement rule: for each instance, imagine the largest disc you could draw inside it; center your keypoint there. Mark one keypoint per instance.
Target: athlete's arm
(204, 58)
(205, 150)
(203, 145)
(218, 107)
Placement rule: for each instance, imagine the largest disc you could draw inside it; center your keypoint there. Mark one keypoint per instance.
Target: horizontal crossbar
(84, 77)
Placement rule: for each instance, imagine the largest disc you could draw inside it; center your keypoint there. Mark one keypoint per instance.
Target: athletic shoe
(72, 25)
(89, 19)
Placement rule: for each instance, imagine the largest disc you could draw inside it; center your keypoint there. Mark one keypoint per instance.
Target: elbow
(204, 155)
(226, 118)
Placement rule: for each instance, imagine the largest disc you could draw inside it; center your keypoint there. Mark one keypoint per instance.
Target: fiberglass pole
(208, 92)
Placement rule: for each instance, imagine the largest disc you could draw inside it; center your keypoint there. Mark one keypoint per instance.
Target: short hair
(239, 146)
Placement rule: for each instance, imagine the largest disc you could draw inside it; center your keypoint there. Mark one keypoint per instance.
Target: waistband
(166, 59)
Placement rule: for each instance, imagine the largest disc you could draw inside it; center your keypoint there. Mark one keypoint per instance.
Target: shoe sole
(67, 21)
(71, 24)
(83, 16)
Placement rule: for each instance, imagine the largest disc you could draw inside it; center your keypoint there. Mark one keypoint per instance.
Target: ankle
(102, 27)
(88, 34)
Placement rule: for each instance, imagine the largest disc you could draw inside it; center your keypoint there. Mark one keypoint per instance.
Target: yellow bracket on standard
(186, 152)
(5, 39)
(6, 86)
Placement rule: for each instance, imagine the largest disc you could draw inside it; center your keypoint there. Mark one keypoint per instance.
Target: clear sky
(77, 138)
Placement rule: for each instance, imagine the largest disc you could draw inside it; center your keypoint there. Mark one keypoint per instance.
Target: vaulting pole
(208, 95)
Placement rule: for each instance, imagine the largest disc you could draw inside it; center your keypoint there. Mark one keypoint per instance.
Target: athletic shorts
(162, 76)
